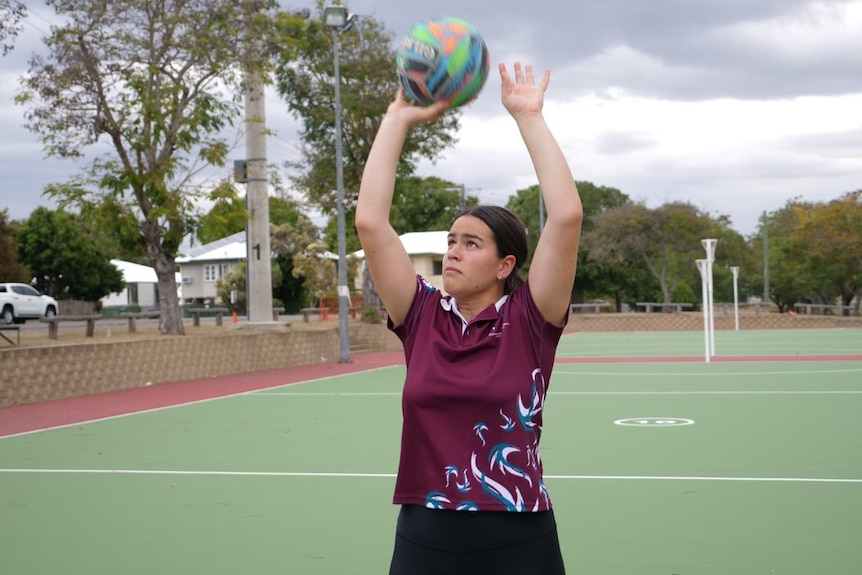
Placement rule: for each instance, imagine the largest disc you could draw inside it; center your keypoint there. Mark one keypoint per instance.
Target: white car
(20, 302)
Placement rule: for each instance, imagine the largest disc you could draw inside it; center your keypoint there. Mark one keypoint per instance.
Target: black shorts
(435, 542)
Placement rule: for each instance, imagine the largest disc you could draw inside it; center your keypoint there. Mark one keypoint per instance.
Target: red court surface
(18, 419)
(29, 417)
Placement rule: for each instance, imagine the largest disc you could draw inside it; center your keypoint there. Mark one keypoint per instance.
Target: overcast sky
(736, 106)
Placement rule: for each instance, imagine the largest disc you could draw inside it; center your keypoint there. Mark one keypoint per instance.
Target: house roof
(135, 273)
(231, 247)
(420, 243)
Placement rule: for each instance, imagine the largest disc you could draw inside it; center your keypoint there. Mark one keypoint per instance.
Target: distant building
(141, 286)
(201, 267)
(426, 251)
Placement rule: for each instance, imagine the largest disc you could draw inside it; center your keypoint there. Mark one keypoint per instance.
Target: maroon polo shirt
(472, 403)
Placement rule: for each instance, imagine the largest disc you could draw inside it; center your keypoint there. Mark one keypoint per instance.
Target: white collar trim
(450, 305)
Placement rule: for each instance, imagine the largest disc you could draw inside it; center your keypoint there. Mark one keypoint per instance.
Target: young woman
(479, 358)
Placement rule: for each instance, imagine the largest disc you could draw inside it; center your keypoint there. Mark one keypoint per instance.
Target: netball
(442, 59)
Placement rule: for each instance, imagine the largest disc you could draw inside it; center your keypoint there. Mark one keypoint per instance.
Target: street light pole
(337, 18)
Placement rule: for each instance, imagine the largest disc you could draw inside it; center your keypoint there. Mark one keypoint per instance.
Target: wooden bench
(136, 315)
(670, 306)
(54, 322)
(824, 308)
(15, 328)
(198, 311)
(308, 311)
(590, 307)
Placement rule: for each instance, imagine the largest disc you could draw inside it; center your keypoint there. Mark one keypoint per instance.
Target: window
(437, 267)
(214, 272)
(133, 292)
(25, 290)
(210, 273)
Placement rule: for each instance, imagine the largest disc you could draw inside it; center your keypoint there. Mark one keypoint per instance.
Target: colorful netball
(442, 59)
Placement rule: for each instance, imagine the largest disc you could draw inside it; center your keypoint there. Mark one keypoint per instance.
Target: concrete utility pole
(258, 249)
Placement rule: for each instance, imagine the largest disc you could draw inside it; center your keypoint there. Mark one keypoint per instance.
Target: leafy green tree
(659, 247)
(12, 13)
(159, 82)
(788, 269)
(419, 205)
(11, 269)
(815, 251)
(299, 242)
(304, 79)
(236, 280)
(227, 216)
(426, 204)
(65, 259)
(593, 279)
(831, 236)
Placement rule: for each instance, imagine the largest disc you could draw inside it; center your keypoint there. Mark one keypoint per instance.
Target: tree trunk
(370, 298)
(170, 321)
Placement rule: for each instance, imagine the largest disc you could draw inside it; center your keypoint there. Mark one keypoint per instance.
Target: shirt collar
(449, 304)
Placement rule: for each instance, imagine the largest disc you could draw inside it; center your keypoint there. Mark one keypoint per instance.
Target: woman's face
(471, 265)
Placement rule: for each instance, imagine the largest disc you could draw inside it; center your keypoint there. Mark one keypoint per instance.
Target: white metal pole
(709, 246)
(701, 267)
(735, 271)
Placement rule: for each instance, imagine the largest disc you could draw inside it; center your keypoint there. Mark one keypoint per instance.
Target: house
(426, 251)
(202, 266)
(141, 287)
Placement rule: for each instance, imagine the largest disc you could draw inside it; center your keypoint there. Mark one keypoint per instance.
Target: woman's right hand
(403, 110)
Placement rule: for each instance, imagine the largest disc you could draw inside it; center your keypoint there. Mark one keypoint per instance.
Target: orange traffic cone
(234, 320)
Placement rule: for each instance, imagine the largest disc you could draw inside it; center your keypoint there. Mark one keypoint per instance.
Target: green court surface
(654, 467)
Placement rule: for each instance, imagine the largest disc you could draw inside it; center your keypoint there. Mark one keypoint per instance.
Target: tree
(234, 283)
(595, 199)
(157, 82)
(788, 273)
(815, 251)
(227, 216)
(304, 79)
(368, 85)
(10, 268)
(665, 242)
(67, 262)
(831, 236)
(12, 13)
(299, 243)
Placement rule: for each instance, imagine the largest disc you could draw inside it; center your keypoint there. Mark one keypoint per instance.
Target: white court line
(398, 393)
(392, 475)
(702, 374)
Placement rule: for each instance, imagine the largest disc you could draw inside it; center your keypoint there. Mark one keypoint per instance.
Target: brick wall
(31, 374)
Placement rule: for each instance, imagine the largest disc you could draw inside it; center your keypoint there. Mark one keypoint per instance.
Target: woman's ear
(507, 267)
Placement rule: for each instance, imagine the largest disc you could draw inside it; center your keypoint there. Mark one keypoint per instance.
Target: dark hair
(510, 236)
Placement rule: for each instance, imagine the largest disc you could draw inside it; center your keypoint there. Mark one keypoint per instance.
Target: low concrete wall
(31, 374)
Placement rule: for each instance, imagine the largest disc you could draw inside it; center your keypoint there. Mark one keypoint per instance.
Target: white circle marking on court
(654, 422)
